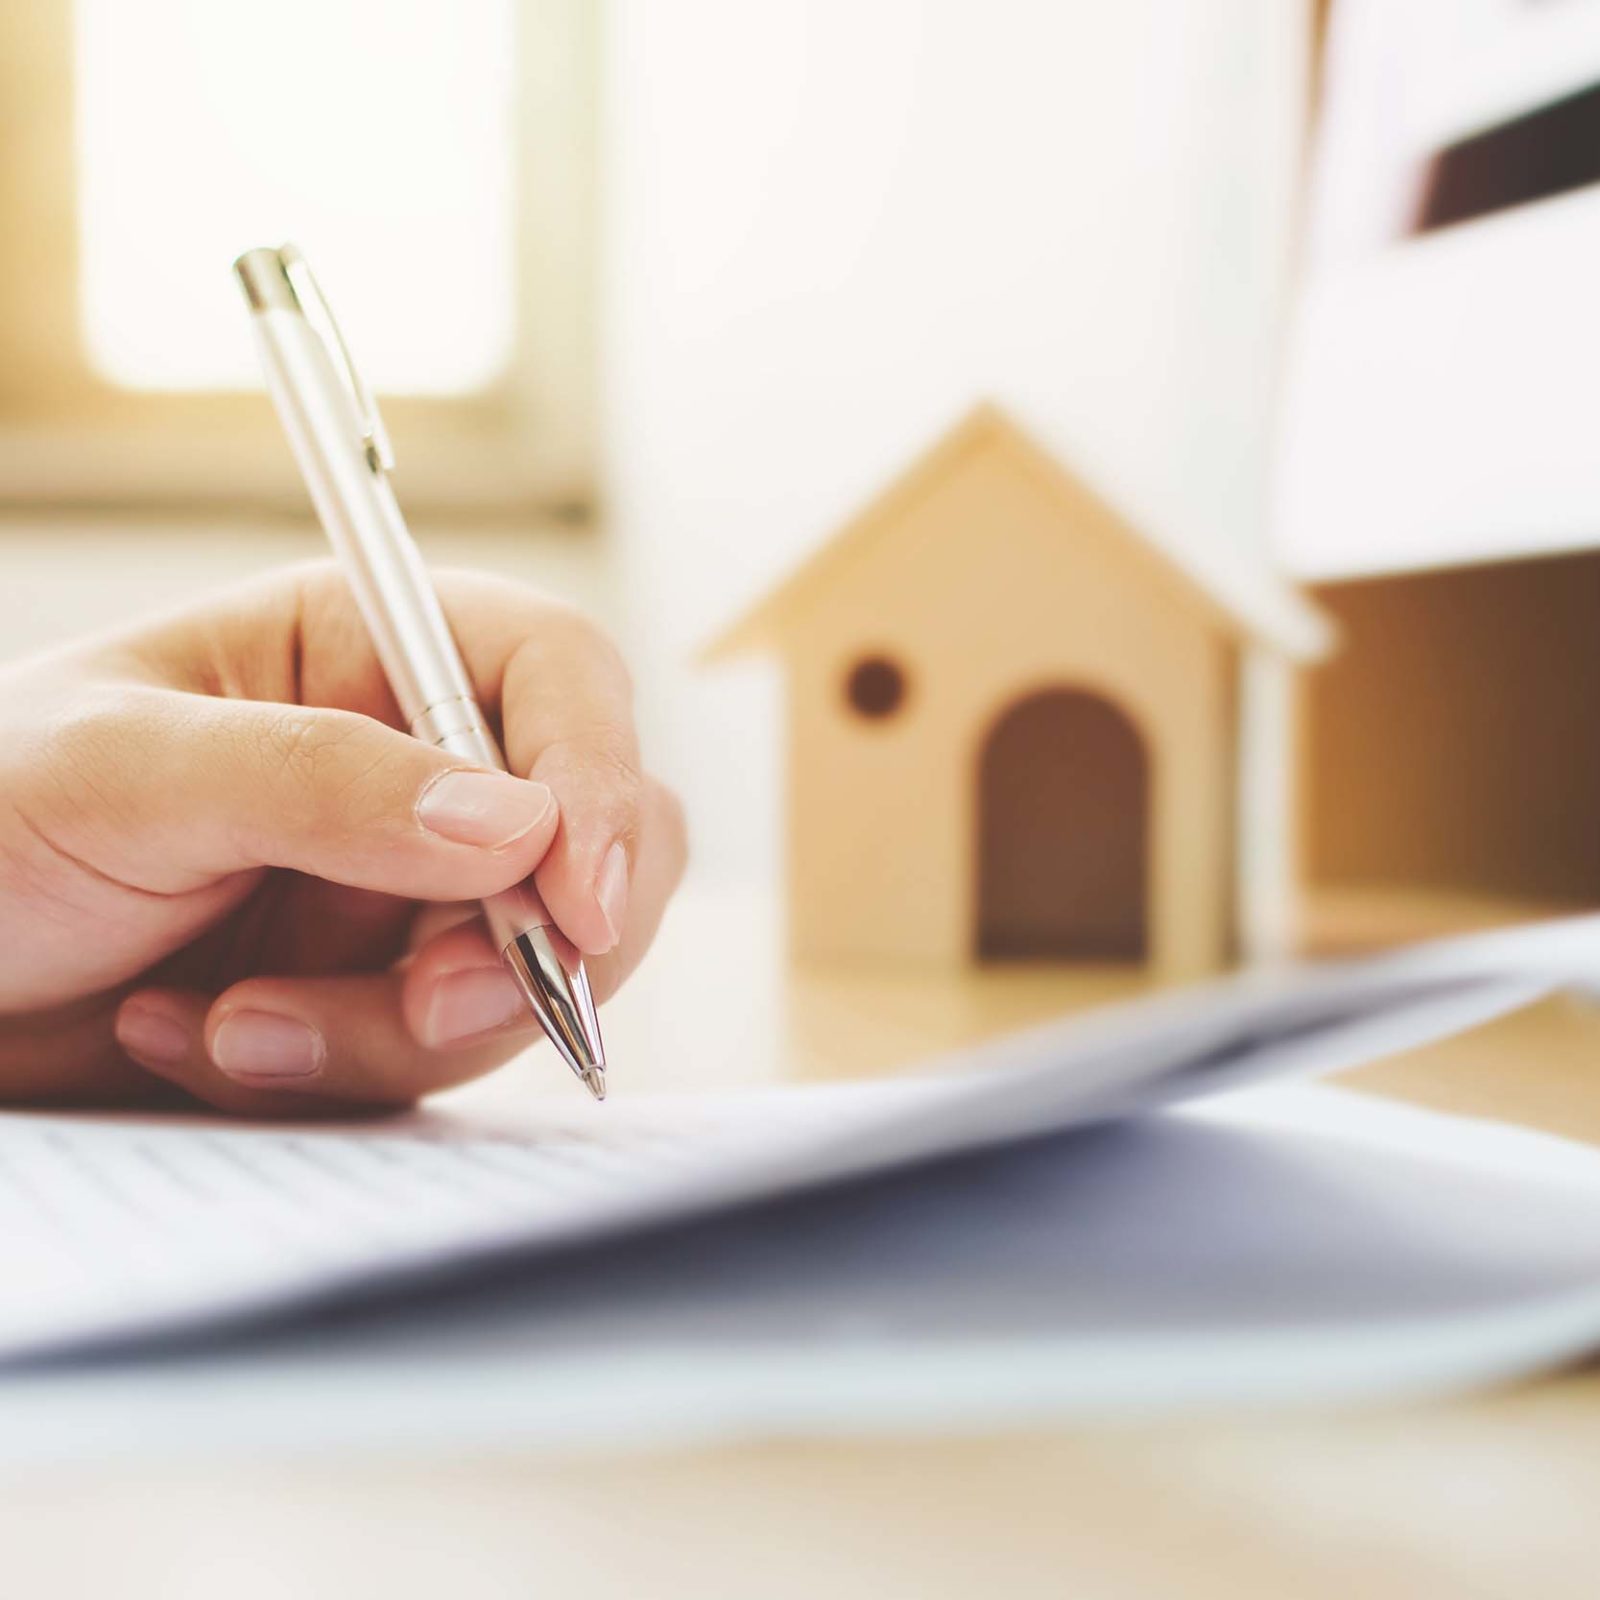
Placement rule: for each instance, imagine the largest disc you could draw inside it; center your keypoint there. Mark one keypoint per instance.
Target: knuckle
(609, 762)
(471, 586)
(315, 590)
(297, 585)
(614, 663)
(608, 657)
(317, 577)
(573, 637)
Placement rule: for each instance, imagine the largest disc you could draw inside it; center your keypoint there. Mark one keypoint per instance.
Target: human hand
(225, 872)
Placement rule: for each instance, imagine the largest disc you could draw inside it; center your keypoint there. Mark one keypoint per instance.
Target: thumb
(187, 788)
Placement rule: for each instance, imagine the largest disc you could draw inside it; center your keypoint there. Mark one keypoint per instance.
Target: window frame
(71, 439)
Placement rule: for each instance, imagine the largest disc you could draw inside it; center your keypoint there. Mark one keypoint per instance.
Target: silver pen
(344, 454)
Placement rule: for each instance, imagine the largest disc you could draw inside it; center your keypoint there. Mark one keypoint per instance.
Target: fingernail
(611, 890)
(261, 1047)
(487, 809)
(151, 1036)
(470, 1002)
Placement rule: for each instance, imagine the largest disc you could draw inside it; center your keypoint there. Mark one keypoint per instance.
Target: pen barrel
(359, 513)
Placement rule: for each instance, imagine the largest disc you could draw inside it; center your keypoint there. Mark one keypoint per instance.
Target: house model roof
(1242, 596)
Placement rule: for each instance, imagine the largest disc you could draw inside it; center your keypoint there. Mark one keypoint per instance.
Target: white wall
(832, 224)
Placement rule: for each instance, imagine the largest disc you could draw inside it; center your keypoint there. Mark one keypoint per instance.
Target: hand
(225, 872)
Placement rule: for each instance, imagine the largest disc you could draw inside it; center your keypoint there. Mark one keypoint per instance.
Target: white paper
(1281, 1245)
(120, 1229)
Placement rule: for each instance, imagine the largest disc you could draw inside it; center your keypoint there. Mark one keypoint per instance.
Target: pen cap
(282, 280)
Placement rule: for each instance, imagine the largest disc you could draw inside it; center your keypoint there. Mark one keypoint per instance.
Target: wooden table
(1496, 1494)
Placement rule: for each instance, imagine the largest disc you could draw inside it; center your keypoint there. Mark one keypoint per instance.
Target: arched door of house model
(1063, 832)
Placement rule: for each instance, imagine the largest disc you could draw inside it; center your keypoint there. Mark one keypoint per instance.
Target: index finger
(567, 711)
(563, 697)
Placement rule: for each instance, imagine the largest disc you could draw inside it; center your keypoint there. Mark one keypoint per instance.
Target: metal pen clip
(317, 311)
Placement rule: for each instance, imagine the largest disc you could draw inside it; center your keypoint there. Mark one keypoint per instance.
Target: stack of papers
(1030, 1229)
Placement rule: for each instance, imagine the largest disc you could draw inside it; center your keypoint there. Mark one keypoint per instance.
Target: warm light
(376, 134)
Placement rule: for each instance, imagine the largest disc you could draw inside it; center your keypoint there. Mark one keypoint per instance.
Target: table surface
(1492, 1494)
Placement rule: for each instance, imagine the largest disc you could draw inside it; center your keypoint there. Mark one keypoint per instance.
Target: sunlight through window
(376, 134)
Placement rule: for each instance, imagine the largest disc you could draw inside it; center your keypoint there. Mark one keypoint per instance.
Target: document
(1278, 1245)
(119, 1233)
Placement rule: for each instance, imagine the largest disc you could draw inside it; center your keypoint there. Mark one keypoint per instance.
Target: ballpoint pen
(344, 454)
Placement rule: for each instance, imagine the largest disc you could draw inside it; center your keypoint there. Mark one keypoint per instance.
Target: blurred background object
(1441, 351)
(830, 234)
(1022, 729)
(657, 296)
(437, 160)
(1439, 474)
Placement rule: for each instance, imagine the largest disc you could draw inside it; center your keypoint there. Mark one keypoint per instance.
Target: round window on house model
(875, 687)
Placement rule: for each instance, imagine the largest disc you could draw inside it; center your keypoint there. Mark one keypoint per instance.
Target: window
(433, 158)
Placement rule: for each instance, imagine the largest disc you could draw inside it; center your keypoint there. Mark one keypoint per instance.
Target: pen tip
(556, 987)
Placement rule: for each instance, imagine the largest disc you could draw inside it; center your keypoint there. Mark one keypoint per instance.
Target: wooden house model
(1021, 728)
